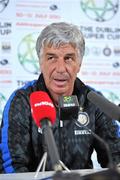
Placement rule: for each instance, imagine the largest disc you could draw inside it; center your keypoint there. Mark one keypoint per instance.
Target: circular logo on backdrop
(27, 55)
(3, 5)
(102, 10)
(107, 51)
(2, 103)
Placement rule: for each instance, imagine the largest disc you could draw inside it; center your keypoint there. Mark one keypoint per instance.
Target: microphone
(109, 108)
(44, 115)
(67, 105)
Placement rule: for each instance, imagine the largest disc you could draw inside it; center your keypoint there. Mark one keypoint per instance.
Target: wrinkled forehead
(56, 43)
(62, 50)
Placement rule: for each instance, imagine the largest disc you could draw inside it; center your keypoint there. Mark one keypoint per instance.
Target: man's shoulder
(81, 85)
(27, 88)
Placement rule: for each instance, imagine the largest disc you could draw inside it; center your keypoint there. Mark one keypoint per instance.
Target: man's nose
(61, 67)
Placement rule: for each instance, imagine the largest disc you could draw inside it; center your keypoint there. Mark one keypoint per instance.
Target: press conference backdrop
(21, 21)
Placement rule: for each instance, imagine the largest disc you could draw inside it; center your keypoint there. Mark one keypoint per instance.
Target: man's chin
(59, 91)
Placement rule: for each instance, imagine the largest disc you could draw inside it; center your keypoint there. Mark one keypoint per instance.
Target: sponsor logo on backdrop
(27, 55)
(101, 11)
(53, 7)
(107, 51)
(117, 51)
(3, 5)
(116, 64)
(3, 62)
(96, 51)
(99, 51)
(6, 47)
(2, 103)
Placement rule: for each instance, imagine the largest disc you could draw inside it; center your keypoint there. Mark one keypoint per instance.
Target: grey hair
(57, 34)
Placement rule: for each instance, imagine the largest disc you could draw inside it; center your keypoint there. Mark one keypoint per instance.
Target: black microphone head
(68, 107)
(109, 108)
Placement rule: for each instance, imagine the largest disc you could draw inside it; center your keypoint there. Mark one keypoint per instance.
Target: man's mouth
(60, 82)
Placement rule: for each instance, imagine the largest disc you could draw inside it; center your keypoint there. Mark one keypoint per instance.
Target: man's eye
(68, 59)
(50, 58)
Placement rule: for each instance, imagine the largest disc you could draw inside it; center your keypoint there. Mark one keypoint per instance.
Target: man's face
(60, 67)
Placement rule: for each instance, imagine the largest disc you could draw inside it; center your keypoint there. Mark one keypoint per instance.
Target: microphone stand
(51, 148)
(41, 165)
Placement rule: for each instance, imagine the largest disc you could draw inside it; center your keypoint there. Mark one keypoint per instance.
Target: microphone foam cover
(42, 107)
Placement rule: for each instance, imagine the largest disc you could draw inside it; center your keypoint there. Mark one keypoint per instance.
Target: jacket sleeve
(16, 151)
(109, 131)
